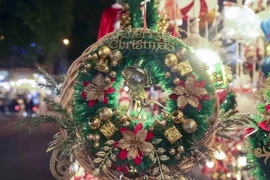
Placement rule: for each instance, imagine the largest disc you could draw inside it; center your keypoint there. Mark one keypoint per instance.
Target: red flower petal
(138, 159)
(85, 83)
(249, 130)
(181, 83)
(123, 169)
(173, 96)
(149, 136)
(112, 79)
(137, 128)
(264, 125)
(115, 144)
(105, 100)
(109, 91)
(123, 154)
(267, 107)
(199, 107)
(91, 103)
(206, 97)
(123, 130)
(83, 94)
(200, 84)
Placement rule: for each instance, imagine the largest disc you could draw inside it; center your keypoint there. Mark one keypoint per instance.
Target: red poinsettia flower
(267, 107)
(264, 125)
(135, 144)
(190, 92)
(97, 90)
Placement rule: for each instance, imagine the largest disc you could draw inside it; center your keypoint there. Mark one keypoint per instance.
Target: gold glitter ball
(170, 60)
(189, 125)
(104, 52)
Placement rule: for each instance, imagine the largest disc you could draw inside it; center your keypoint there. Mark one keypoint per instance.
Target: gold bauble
(163, 123)
(172, 151)
(181, 53)
(170, 60)
(90, 137)
(105, 113)
(167, 74)
(96, 145)
(84, 71)
(102, 65)
(95, 124)
(189, 125)
(178, 156)
(180, 149)
(104, 52)
(113, 74)
(88, 66)
(157, 123)
(176, 81)
(96, 137)
(92, 56)
(178, 117)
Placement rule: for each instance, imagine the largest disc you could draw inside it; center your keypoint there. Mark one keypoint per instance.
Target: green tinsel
(230, 102)
(152, 14)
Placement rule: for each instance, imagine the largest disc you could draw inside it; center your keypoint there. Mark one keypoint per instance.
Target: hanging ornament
(134, 75)
(172, 134)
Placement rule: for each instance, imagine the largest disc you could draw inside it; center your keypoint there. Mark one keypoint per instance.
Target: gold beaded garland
(90, 137)
(96, 145)
(180, 149)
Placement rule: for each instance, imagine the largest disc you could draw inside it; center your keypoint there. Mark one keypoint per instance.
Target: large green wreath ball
(142, 59)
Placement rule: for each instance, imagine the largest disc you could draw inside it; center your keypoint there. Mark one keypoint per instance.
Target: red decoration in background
(108, 20)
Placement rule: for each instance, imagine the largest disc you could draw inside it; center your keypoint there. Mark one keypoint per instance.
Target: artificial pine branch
(67, 146)
(34, 122)
(49, 83)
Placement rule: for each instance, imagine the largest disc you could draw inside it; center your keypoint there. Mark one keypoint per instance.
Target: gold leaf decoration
(156, 141)
(164, 158)
(161, 150)
(106, 148)
(98, 160)
(96, 172)
(100, 154)
(109, 143)
(108, 163)
(155, 171)
(165, 168)
(95, 89)
(113, 157)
